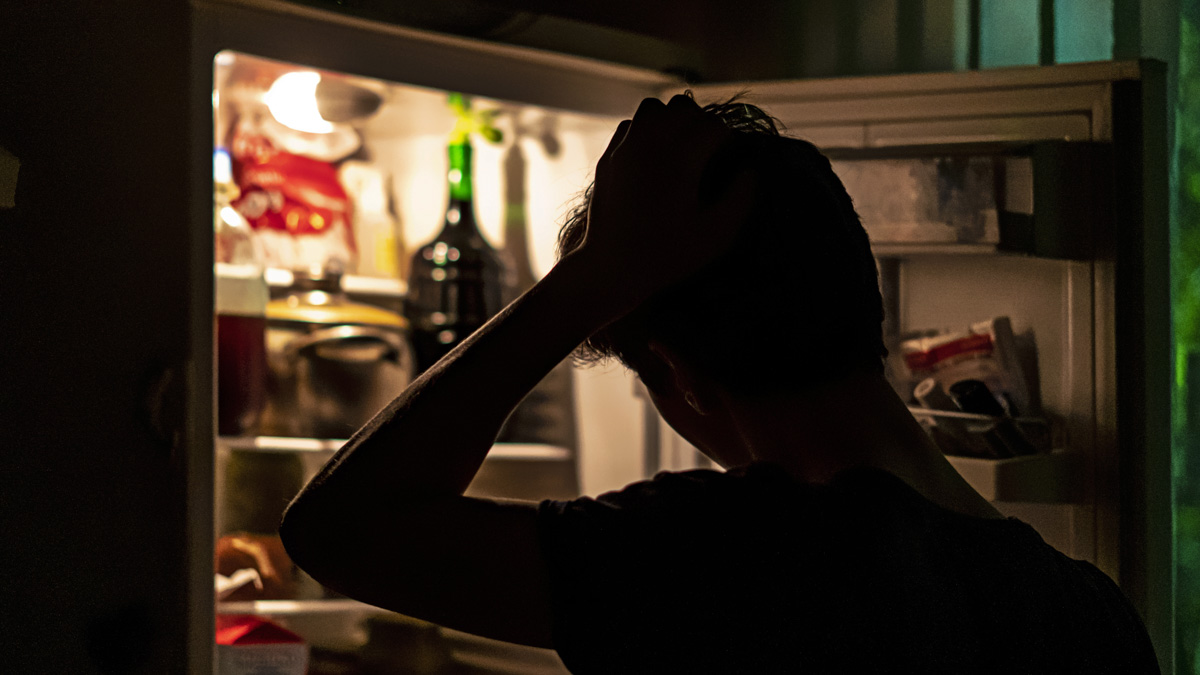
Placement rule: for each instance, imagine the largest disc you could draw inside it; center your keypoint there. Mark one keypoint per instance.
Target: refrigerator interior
(404, 142)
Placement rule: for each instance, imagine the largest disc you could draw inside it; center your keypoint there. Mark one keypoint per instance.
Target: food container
(332, 363)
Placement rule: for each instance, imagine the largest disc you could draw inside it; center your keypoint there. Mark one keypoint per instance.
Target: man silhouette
(725, 265)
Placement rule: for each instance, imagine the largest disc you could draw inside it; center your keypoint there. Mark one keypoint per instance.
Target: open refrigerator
(987, 195)
(1036, 194)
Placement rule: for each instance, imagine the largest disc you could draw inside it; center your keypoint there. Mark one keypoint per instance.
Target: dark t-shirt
(752, 572)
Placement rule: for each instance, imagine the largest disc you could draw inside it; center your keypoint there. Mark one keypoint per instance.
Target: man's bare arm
(385, 520)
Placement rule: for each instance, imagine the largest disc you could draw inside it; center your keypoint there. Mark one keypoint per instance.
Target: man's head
(795, 302)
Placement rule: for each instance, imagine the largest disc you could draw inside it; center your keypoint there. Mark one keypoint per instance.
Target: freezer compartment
(1049, 199)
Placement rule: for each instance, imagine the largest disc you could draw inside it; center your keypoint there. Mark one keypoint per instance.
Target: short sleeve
(635, 572)
(608, 560)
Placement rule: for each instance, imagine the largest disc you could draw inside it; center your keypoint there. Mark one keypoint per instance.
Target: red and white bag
(985, 351)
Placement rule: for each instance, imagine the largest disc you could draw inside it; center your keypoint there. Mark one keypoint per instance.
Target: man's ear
(683, 378)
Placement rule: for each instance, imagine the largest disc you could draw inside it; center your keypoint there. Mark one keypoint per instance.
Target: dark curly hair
(794, 302)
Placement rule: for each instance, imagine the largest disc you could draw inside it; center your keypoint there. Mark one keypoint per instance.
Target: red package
(251, 645)
(296, 203)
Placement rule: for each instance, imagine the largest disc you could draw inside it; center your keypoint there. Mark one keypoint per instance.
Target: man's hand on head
(657, 217)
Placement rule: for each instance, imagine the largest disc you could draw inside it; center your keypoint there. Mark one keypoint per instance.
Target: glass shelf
(351, 283)
(296, 607)
(502, 451)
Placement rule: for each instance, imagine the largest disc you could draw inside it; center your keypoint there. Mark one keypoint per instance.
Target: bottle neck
(460, 210)
(459, 176)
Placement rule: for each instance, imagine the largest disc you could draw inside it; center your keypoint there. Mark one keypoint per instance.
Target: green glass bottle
(455, 281)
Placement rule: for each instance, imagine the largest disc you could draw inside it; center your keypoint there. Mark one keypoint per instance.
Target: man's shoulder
(758, 493)
(689, 488)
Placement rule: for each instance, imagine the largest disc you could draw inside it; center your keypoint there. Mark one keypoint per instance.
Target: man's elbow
(305, 536)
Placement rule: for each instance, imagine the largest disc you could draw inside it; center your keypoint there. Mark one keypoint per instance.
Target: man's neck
(856, 421)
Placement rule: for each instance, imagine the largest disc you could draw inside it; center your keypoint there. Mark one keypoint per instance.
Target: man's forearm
(429, 442)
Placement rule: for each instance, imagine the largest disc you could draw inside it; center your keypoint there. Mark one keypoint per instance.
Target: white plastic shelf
(1044, 477)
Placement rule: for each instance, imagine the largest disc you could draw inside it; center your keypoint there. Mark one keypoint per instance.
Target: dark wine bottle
(455, 281)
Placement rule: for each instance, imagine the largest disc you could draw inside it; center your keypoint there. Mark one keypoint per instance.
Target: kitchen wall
(717, 41)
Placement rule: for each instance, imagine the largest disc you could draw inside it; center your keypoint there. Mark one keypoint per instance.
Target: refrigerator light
(292, 100)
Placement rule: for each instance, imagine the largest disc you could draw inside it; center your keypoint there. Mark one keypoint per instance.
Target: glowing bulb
(455, 176)
(222, 166)
(453, 216)
(292, 100)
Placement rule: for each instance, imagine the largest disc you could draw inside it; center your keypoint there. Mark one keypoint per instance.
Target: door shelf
(1044, 477)
(499, 451)
(1041, 478)
(910, 250)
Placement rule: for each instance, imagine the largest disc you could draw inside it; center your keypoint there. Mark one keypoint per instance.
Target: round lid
(331, 309)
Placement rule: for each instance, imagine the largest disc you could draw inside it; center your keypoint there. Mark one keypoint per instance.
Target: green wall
(1185, 277)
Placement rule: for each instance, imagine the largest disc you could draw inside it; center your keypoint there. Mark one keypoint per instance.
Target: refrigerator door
(101, 387)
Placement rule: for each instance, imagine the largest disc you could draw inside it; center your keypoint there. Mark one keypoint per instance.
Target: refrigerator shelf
(296, 607)
(351, 283)
(1041, 478)
(503, 451)
(340, 624)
